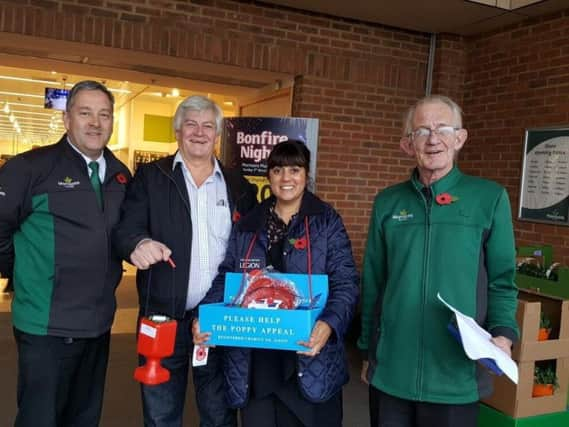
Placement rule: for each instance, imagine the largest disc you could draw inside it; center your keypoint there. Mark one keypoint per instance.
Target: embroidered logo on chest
(404, 215)
(68, 183)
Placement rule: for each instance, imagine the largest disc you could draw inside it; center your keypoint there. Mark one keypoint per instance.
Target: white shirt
(101, 161)
(211, 226)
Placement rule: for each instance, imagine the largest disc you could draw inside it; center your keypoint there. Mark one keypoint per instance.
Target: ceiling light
(228, 103)
(23, 79)
(11, 117)
(36, 119)
(24, 127)
(22, 104)
(6, 108)
(33, 113)
(506, 4)
(21, 94)
(119, 90)
(111, 89)
(176, 92)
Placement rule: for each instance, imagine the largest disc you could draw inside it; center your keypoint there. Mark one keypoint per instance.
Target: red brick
(356, 78)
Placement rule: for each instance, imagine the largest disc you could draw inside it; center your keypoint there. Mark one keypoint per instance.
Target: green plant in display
(544, 321)
(536, 270)
(545, 375)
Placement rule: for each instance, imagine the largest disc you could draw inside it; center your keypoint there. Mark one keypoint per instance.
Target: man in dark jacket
(180, 209)
(58, 205)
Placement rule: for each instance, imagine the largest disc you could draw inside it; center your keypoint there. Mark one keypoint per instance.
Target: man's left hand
(504, 344)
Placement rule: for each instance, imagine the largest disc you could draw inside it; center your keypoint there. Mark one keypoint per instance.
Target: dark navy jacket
(322, 376)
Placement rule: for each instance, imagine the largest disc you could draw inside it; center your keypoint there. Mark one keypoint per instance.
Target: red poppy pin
(445, 199)
(121, 178)
(236, 216)
(299, 243)
(201, 353)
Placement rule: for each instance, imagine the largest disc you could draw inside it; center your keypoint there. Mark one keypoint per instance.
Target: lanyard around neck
(309, 264)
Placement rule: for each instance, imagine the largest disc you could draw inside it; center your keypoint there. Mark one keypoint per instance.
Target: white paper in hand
(477, 343)
(199, 357)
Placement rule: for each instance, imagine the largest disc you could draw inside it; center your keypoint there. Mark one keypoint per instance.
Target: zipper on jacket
(427, 196)
(171, 178)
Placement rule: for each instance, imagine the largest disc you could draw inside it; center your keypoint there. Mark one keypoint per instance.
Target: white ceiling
(432, 16)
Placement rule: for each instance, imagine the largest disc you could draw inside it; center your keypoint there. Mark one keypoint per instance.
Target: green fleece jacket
(454, 238)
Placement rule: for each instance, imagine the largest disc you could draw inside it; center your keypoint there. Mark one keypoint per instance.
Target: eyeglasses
(443, 132)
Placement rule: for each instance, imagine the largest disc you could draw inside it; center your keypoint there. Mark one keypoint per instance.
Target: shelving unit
(516, 401)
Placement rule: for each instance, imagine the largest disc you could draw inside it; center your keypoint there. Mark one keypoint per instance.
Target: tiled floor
(122, 401)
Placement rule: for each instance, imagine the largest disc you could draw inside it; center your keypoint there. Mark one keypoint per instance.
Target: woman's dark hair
(289, 153)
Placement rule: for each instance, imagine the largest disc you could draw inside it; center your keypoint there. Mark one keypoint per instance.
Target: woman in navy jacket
(283, 388)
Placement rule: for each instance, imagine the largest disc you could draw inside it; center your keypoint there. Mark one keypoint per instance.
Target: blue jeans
(163, 404)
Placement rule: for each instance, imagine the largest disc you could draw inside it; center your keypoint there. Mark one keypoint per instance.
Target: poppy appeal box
(265, 325)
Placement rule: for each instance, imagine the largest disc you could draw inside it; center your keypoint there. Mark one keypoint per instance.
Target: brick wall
(451, 62)
(517, 79)
(356, 78)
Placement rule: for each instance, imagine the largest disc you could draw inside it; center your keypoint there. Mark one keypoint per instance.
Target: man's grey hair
(87, 85)
(198, 103)
(454, 107)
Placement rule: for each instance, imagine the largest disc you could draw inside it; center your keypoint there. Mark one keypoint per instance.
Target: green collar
(443, 185)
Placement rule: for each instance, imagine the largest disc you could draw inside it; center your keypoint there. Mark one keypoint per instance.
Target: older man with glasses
(439, 232)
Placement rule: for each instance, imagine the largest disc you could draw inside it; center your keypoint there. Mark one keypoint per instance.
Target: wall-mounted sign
(158, 128)
(248, 141)
(544, 195)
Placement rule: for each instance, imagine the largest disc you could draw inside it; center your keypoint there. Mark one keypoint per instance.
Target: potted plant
(531, 274)
(544, 327)
(544, 381)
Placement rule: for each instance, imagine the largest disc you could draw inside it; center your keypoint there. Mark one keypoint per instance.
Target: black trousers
(269, 411)
(389, 411)
(278, 410)
(60, 380)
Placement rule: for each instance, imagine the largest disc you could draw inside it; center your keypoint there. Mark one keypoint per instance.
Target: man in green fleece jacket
(439, 232)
